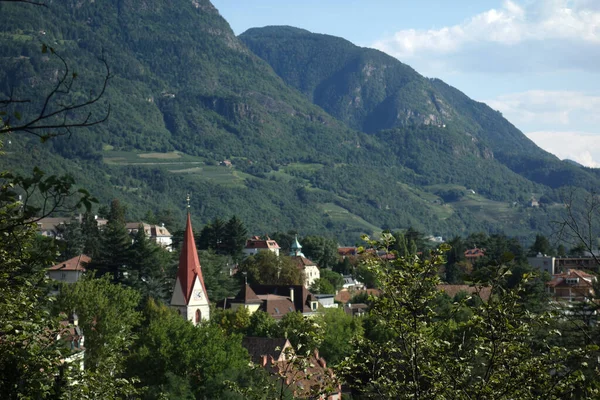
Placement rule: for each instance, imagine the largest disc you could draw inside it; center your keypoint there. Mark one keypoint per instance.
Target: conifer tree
(235, 235)
(114, 250)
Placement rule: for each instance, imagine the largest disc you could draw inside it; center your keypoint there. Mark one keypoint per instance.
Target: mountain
(372, 91)
(195, 110)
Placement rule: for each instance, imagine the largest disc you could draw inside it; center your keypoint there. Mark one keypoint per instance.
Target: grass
(340, 214)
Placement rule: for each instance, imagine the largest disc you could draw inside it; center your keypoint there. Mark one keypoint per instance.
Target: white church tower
(189, 295)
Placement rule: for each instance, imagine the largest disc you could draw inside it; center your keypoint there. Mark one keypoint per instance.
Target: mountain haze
(323, 137)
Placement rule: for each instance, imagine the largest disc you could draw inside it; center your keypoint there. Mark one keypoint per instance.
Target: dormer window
(572, 281)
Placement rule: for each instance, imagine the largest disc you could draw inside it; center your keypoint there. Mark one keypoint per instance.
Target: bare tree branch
(56, 118)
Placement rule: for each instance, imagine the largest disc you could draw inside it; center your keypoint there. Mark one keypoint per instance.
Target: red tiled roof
(452, 290)
(303, 261)
(345, 295)
(474, 253)
(189, 263)
(585, 279)
(76, 263)
(257, 243)
(347, 251)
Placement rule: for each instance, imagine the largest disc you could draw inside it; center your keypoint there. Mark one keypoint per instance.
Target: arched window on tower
(198, 316)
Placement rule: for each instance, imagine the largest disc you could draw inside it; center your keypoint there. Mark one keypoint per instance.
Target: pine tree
(235, 235)
(115, 242)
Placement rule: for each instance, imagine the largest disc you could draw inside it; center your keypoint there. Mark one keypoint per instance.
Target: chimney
(74, 319)
(292, 294)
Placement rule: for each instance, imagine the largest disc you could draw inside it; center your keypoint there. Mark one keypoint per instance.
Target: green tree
(107, 313)
(497, 352)
(266, 268)
(113, 255)
(541, 245)
(150, 267)
(234, 237)
(334, 278)
(202, 357)
(322, 286)
(90, 234)
(212, 236)
(340, 332)
(215, 270)
(321, 250)
(262, 325)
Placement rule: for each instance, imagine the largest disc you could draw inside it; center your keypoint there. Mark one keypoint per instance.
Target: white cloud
(548, 107)
(582, 147)
(544, 34)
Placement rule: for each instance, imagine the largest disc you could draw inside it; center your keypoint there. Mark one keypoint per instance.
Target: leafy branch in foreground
(58, 112)
(497, 350)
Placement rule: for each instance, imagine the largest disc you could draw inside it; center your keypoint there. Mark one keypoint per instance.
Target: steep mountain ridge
(371, 91)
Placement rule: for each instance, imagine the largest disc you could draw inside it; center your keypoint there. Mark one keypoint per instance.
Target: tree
(215, 270)
(499, 350)
(267, 268)
(262, 325)
(150, 267)
(113, 254)
(541, 245)
(235, 235)
(580, 225)
(335, 279)
(202, 357)
(340, 332)
(212, 236)
(321, 250)
(60, 110)
(322, 286)
(73, 241)
(107, 313)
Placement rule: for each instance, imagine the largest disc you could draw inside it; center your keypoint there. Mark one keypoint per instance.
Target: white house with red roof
(71, 270)
(190, 298)
(573, 285)
(256, 244)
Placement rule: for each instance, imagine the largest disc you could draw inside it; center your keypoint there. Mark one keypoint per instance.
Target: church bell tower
(190, 298)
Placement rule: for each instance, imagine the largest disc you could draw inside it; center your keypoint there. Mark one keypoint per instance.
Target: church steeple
(189, 294)
(296, 248)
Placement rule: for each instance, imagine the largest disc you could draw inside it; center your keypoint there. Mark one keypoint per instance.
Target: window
(314, 305)
(198, 315)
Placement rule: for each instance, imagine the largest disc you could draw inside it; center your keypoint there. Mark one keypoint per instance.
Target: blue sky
(536, 61)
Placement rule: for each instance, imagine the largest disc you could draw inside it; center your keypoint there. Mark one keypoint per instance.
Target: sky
(536, 61)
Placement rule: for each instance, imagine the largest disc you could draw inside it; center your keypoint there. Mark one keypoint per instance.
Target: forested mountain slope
(186, 95)
(371, 91)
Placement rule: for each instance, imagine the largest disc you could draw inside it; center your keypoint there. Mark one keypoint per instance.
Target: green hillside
(186, 94)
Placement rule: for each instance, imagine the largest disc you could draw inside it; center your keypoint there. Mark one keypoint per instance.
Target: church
(190, 298)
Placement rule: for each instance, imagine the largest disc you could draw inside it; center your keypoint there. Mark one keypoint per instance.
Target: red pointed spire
(189, 263)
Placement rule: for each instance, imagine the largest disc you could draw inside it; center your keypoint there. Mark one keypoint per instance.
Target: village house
(156, 233)
(305, 378)
(309, 268)
(573, 285)
(71, 270)
(256, 244)
(472, 255)
(72, 335)
(51, 226)
(275, 300)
